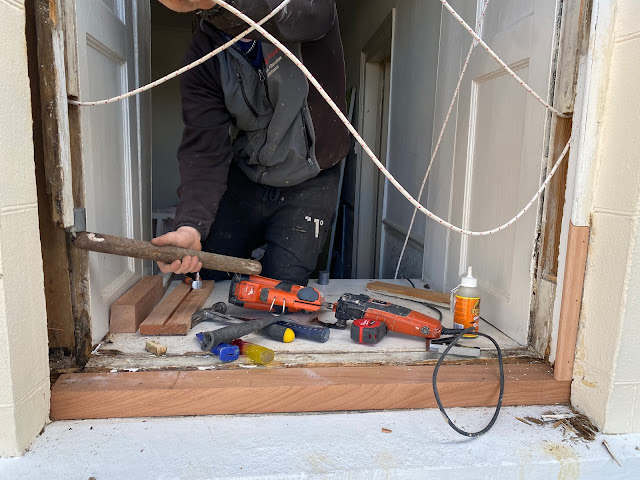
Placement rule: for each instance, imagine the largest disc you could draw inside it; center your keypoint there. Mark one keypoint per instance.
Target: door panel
(113, 163)
(497, 157)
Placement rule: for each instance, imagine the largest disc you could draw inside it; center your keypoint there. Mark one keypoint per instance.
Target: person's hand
(183, 6)
(185, 237)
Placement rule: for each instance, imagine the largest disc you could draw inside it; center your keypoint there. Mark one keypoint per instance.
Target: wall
(413, 83)
(606, 383)
(24, 372)
(170, 37)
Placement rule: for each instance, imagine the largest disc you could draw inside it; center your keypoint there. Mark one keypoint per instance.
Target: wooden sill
(284, 390)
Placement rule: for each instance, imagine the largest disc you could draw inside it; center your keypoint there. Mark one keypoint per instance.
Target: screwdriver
(254, 352)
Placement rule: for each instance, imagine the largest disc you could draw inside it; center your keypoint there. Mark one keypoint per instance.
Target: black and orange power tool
(261, 293)
(373, 318)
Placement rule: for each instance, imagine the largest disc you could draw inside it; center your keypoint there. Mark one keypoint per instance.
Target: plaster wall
(24, 372)
(606, 378)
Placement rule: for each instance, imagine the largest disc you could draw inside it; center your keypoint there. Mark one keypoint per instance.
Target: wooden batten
(279, 390)
(577, 247)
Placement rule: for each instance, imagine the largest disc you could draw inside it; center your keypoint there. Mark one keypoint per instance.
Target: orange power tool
(373, 318)
(261, 293)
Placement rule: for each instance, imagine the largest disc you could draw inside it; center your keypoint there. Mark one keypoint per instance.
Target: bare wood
(55, 117)
(166, 307)
(173, 315)
(577, 248)
(320, 389)
(127, 247)
(52, 237)
(410, 293)
(554, 201)
(128, 312)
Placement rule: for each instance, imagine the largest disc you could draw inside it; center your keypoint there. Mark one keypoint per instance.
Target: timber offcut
(282, 390)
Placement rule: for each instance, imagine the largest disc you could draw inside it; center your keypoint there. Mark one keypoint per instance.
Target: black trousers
(293, 221)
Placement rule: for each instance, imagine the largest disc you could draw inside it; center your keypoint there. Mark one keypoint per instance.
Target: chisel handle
(231, 332)
(317, 334)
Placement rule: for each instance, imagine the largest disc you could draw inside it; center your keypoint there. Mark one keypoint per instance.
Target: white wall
(606, 384)
(170, 38)
(24, 372)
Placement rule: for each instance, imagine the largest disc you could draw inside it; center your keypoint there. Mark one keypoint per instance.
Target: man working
(260, 148)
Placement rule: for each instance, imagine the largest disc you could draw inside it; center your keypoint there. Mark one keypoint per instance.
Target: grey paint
(170, 37)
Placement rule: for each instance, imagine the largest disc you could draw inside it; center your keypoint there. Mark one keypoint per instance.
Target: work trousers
(293, 222)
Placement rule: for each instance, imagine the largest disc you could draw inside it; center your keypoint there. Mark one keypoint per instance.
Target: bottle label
(466, 313)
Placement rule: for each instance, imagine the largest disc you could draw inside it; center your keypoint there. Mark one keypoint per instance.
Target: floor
(372, 445)
(126, 351)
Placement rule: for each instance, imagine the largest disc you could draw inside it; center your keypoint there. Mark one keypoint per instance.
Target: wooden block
(577, 247)
(155, 348)
(400, 291)
(317, 389)
(173, 315)
(128, 312)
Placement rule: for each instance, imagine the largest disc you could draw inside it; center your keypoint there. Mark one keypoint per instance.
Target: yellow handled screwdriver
(257, 353)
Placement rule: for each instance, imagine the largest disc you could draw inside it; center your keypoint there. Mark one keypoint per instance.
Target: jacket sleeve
(205, 151)
(300, 21)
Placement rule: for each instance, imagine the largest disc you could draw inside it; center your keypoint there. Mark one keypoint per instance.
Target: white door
(113, 53)
(491, 158)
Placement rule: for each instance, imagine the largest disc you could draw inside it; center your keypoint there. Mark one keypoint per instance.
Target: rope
(257, 26)
(186, 68)
(444, 126)
(366, 148)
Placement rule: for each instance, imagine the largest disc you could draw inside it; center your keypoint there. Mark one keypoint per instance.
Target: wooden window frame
(300, 389)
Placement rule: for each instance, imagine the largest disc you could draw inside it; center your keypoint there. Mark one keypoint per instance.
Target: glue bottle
(466, 307)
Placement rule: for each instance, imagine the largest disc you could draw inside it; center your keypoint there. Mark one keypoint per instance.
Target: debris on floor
(386, 430)
(574, 425)
(155, 348)
(606, 445)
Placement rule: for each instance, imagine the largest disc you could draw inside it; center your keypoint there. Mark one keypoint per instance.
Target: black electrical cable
(458, 335)
(408, 280)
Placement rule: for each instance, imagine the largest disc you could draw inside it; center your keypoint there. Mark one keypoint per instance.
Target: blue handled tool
(226, 352)
(317, 334)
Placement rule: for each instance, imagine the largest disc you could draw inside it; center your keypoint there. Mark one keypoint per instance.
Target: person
(260, 152)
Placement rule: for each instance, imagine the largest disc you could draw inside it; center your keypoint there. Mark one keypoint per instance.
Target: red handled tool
(373, 318)
(261, 293)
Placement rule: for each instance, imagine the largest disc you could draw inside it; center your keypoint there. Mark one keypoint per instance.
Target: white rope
(366, 148)
(256, 26)
(444, 126)
(186, 68)
(499, 60)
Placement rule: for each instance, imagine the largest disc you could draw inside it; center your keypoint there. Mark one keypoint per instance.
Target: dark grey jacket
(293, 133)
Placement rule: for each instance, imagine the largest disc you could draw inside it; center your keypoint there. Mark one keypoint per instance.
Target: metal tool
(394, 317)
(261, 293)
(227, 334)
(279, 333)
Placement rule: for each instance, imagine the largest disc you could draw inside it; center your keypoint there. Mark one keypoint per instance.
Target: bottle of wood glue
(466, 307)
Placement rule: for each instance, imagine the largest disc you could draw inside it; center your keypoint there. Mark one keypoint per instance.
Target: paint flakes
(92, 237)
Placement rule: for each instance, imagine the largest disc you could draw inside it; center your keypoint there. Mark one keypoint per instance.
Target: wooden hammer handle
(126, 247)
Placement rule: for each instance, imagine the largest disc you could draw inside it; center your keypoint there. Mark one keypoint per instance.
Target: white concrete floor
(327, 446)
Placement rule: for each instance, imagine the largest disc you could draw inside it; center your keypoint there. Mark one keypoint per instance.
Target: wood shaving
(386, 430)
(606, 445)
(523, 420)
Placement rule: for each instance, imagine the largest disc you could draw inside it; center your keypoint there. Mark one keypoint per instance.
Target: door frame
(374, 129)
